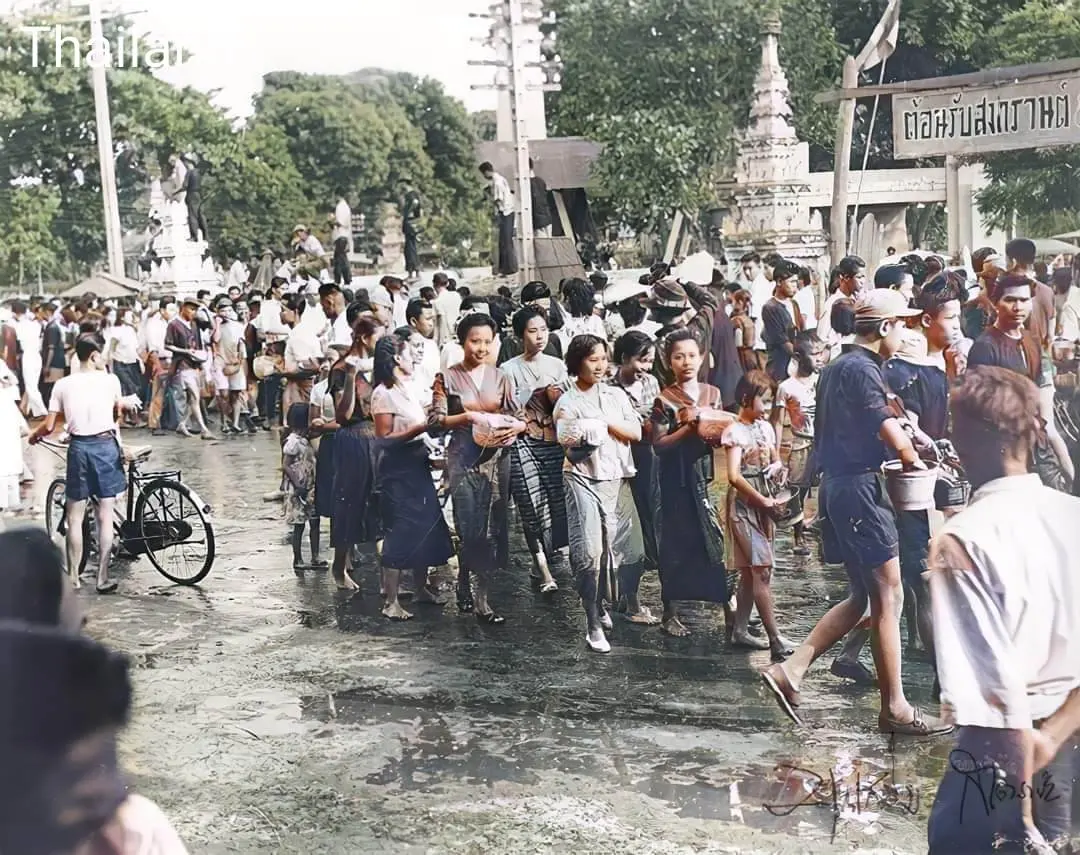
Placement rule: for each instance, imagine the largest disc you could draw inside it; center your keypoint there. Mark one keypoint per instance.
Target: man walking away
(90, 401)
(503, 199)
(29, 334)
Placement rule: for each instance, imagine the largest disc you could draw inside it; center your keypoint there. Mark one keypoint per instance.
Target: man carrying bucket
(855, 428)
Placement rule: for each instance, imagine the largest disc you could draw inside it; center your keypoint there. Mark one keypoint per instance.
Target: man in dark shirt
(677, 305)
(55, 357)
(855, 427)
(781, 320)
(193, 198)
(541, 211)
(181, 339)
(726, 367)
(1009, 345)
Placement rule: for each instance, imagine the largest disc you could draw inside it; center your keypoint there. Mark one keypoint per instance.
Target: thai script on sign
(987, 117)
(984, 119)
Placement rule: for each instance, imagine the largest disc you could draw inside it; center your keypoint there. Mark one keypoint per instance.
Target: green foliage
(29, 246)
(1041, 186)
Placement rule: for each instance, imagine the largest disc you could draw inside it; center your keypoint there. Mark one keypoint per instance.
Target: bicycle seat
(137, 453)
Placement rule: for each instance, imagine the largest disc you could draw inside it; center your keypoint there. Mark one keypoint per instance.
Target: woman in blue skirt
(416, 535)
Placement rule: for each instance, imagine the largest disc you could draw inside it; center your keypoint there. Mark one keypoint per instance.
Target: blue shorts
(95, 468)
(859, 528)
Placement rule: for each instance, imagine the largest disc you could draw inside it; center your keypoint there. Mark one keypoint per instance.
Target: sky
(235, 42)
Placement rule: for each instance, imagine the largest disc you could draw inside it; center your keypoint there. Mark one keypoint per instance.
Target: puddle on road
(699, 773)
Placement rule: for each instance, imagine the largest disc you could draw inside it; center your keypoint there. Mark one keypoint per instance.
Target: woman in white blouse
(416, 535)
(596, 423)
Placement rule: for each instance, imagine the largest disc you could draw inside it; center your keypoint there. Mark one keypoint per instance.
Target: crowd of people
(420, 419)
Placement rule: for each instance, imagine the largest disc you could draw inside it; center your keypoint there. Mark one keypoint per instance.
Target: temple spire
(770, 113)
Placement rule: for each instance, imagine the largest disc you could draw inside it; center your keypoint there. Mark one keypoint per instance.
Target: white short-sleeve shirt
(87, 401)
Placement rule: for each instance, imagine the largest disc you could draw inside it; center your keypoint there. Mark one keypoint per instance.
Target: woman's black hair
(471, 322)
(32, 577)
(579, 298)
(502, 308)
(525, 314)
(632, 345)
(673, 338)
(295, 303)
(631, 311)
(387, 349)
(296, 419)
(579, 349)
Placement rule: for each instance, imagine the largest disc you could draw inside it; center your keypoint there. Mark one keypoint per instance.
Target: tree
(1041, 186)
(29, 247)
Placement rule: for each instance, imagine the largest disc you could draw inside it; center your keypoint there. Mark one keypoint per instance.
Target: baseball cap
(881, 304)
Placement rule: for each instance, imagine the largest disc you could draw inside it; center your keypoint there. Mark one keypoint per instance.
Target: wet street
(275, 715)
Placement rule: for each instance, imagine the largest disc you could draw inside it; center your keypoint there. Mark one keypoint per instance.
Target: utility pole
(98, 59)
(521, 140)
(513, 22)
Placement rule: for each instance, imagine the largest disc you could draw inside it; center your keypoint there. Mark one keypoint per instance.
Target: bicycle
(161, 518)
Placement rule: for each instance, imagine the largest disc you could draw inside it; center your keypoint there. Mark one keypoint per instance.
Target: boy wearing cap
(855, 429)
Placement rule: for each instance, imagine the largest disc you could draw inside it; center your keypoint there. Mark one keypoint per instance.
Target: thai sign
(977, 119)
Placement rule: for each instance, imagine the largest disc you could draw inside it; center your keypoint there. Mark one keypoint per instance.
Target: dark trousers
(973, 814)
(412, 252)
(342, 268)
(269, 398)
(508, 264)
(196, 220)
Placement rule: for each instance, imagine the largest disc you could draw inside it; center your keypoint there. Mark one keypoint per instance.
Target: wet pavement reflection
(274, 714)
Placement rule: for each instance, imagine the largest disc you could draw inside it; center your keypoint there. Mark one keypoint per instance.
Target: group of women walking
(595, 456)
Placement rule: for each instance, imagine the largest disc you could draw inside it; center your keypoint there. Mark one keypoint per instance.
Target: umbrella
(1069, 236)
(1053, 246)
(104, 285)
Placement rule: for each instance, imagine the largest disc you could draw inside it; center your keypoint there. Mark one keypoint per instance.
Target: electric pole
(98, 59)
(515, 36)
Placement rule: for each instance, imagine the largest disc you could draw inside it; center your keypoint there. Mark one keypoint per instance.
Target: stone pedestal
(182, 266)
(769, 199)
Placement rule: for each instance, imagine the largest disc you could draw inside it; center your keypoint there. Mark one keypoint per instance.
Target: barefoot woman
(417, 537)
(691, 543)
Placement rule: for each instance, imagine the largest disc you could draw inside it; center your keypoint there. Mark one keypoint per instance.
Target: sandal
(549, 587)
(643, 617)
(490, 618)
(107, 588)
(776, 681)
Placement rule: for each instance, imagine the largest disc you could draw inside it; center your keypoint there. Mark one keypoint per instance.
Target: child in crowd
(299, 468)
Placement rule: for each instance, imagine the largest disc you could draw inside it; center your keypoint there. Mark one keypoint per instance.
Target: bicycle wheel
(56, 508)
(174, 531)
(56, 520)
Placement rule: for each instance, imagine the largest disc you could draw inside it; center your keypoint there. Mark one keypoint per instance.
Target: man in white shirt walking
(850, 280)
(503, 199)
(89, 400)
(29, 332)
(1006, 600)
(447, 305)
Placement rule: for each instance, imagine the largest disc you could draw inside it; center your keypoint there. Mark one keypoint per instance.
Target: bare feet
(394, 611)
(742, 638)
(674, 626)
(346, 583)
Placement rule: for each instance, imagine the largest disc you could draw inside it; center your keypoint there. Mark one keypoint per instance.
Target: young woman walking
(536, 459)
(596, 424)
(416, 534)
(691, 543)
(753, 463)
(463, 396)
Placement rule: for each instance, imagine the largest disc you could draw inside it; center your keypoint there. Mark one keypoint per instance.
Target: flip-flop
(787, 704)
(107, 588)
(643, 617)
(549, 587)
